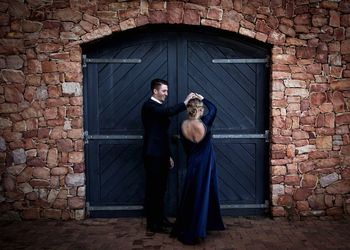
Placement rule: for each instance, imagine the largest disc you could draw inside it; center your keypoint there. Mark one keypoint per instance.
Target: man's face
(161, 93)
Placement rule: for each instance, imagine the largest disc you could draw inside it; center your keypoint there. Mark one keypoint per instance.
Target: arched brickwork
(41, 143)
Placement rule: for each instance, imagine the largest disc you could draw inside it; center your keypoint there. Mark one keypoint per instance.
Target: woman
(199, 209)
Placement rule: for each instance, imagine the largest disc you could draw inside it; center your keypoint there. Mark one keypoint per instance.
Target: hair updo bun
(193, 105)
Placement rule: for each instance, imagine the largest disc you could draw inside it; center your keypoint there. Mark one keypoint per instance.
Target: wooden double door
(229, 70)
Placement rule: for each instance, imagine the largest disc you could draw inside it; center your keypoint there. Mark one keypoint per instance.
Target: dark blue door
(117, 75)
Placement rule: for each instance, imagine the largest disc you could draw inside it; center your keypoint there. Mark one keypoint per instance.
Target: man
(156, 150)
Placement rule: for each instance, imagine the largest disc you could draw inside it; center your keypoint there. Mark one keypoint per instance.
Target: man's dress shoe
(158, 229)
(167, 223)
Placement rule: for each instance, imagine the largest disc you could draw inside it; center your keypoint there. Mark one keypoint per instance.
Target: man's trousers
(157, 169)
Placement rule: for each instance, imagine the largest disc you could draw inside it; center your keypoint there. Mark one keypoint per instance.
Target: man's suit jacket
(156, 122)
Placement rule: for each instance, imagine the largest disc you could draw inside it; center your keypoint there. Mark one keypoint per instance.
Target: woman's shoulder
(192, 123)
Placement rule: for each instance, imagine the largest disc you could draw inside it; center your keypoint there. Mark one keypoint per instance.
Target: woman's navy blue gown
(199, 209)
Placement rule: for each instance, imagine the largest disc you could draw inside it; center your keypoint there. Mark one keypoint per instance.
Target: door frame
(180, 94)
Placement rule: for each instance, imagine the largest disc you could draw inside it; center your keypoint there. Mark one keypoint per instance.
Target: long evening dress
(199, 208)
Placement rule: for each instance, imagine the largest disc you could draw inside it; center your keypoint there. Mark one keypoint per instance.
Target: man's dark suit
(156, 151)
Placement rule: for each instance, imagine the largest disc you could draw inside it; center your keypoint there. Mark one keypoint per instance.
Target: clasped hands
(191, 96)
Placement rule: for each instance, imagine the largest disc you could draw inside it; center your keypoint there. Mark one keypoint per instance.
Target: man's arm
(168, 111)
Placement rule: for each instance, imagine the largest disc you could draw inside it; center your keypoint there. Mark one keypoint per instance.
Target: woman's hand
(200, 97)
(189, 97)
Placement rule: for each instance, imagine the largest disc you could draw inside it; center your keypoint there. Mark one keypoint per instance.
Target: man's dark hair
(156, 83)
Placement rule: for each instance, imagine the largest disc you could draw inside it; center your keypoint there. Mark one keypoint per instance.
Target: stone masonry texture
(42, 165)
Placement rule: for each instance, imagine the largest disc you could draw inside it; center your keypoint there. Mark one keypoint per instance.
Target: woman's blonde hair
(193, 105)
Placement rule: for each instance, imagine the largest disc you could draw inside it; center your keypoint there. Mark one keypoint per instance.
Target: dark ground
(129, 233)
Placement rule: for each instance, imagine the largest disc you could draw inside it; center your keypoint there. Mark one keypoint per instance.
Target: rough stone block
(211, 23)
(276, 37)
(297, 92)
(175, 13)
(317, 202)
(342, 84)
(340, 187)
(31, 26)
(327, 163)
(39, 183)
(52, 158)
(41, 93)
(293, 180)
(12, 76)
(278, 211)
(19, 156)
(76, 157)
(52, 214)
(285, 29)
(74, 180)
(328, 179)
(305, 149)
(342, 119)
(309, 181)
(324, 142)
(345, 150)
(25, 188)
(317, 98)
(191, 17)
(277, 189)
(65, 145)
(73, 88)
(68, 15)
(41, 173)
(345, 47)
(5, 123)
(215, 13)
(31, 213)
(127, 24)
(76, 202)
(14, 62)
(103, 30)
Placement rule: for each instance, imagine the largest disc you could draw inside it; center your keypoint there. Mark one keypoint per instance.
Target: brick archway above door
(42, 171)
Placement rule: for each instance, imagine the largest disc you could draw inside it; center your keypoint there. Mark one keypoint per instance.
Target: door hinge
(110, 60)
(84, 61)
(243, 136)
(239, 206)
(265, 60)
(87, 209)
(268, 62)
(86, 137)
(267, 135)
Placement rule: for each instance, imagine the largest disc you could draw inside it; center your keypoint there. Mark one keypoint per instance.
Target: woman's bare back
(193, 130)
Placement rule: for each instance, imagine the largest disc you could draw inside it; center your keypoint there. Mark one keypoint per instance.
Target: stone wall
(41, 144)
